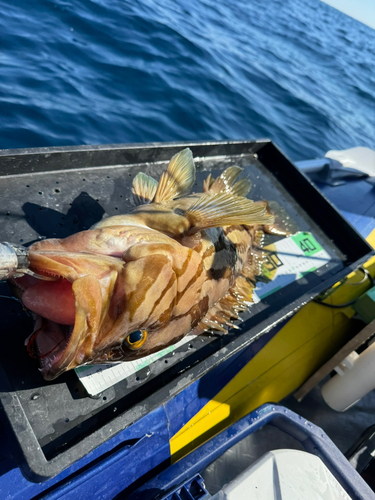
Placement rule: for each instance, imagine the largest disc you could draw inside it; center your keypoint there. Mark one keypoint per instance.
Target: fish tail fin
(225, 183)
(225, 209)
(178, 179)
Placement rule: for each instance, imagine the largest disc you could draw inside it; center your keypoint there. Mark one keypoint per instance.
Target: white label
(289, 260)
(97, 378)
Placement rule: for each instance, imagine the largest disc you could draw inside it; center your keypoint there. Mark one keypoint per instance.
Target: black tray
(53, 192)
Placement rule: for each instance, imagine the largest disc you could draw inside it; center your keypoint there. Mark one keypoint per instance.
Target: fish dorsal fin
(144, 188)
(178, 179)
(224, 209)
(225, 183)
(208, 183)
(241, 188)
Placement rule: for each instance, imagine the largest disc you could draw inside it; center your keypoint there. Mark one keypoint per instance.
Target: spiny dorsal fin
(144, 188)
(178, 179)
(225, 183)
(224, 209)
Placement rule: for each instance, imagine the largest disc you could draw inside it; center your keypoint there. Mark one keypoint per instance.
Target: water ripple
(92, 71)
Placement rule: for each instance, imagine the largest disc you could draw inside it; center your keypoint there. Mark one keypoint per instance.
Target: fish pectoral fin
(224, 209)
(225, 183)
(143, 188)
(178, 179)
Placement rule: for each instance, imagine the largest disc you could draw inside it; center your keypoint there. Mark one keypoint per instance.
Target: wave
(90, 71)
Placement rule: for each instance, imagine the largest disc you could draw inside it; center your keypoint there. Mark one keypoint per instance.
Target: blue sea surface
(94, 72)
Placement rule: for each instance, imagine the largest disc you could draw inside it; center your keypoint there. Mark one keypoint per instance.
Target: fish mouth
(69, 309)
(48, 343)
(54, 309)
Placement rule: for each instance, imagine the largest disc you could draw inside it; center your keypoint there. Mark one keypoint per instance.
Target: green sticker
(81, 369)
(307, 243)
(155, 357)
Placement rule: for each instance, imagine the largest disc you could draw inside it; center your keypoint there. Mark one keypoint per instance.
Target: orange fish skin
(159, 270)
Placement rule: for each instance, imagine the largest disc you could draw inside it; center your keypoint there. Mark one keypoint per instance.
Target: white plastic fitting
(355, 378)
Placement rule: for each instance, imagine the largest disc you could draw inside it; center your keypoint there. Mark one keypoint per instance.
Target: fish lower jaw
(47, 365)
(49, 343)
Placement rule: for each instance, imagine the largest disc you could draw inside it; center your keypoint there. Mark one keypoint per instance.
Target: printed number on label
(307, 245)
(272, 261)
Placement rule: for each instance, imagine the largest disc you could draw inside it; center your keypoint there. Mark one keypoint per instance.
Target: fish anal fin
(144, 188)
(224, 209)
(178, 179)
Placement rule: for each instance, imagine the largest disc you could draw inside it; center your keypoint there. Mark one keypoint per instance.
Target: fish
(179, 263)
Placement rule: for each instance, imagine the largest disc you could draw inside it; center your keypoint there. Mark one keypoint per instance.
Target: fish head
(71, 307)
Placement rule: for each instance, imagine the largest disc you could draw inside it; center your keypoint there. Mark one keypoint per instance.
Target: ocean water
(94, 72)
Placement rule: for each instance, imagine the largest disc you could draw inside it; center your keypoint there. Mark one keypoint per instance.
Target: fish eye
(135, 340)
